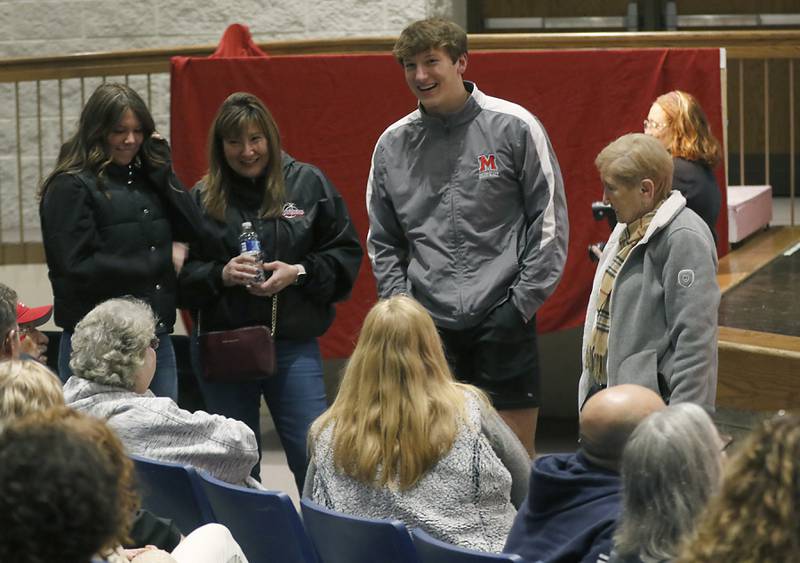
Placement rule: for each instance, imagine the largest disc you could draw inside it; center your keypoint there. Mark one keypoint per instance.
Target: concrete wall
(34, 28)
(38, 28)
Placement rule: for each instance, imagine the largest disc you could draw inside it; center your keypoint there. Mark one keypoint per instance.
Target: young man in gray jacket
(468, 215)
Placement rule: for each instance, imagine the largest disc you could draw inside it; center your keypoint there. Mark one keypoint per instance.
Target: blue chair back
(431, 550)
(172, 490)
(341, 538)
(264, 523)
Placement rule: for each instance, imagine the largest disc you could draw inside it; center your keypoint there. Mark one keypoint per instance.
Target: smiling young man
(468, 215)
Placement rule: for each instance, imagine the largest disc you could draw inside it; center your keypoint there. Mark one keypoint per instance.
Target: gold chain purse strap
(274, 325)
(274, 315)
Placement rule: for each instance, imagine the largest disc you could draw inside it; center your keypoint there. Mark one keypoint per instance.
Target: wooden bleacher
(758, 371)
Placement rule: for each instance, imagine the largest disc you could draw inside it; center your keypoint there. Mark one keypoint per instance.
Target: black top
(314, 230)
(698, 185)
(112, 237)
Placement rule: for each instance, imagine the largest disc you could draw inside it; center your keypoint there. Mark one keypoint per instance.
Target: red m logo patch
(486, 163)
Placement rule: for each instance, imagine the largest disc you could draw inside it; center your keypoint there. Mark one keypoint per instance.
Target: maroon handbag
(242, 354)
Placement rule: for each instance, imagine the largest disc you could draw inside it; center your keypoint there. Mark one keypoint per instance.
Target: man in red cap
(33, 342)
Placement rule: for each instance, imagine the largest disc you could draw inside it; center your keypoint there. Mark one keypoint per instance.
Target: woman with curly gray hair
(116, 344)
(671, 467)
(113, 361)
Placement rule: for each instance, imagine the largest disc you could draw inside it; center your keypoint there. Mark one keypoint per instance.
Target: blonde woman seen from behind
(404, 440)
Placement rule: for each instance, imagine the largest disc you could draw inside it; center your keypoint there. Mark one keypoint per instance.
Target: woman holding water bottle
(310, 257)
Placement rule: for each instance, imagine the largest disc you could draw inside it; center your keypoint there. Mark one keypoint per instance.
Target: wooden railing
(44, 94)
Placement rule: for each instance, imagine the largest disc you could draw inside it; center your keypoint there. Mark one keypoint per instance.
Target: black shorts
(500, 356)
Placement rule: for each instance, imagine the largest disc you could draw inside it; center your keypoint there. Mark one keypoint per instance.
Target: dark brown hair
(235, 115)
(86, 149)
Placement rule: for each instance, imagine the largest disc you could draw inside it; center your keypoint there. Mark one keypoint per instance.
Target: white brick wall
(30, 28)
(34, 28)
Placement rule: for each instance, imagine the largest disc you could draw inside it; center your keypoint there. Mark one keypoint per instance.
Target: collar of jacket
(666, 213)
(122, 173)
(246, 192)
(467, 113)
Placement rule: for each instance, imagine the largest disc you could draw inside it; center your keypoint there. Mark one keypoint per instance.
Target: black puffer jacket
(114, 238)
(315, 231)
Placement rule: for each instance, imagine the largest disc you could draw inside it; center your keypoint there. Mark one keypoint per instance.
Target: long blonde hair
(398, 408)
(690, 133)
(235, 115)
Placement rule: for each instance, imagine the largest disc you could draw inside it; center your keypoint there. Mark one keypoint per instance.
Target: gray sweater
(157, 428)
(663, 309)
(469, 498)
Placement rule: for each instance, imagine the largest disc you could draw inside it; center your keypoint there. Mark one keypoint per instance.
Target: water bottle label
(251, 246)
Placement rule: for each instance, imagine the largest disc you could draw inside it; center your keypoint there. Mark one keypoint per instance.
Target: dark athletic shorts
(500, 356)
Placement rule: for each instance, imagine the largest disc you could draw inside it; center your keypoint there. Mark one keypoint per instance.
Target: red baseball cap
(33, 316)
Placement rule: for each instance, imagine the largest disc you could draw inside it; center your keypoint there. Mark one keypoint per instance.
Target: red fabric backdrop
(332, 108)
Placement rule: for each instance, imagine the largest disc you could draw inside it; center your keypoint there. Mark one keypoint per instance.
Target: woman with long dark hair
(110, 212)
(311, 260)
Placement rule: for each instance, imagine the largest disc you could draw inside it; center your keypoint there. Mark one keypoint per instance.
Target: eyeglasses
(154, 342)
(650, 124)
(24, 331)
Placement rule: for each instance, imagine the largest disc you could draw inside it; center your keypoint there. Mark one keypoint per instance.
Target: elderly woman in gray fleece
(113, 361)
(652, 313)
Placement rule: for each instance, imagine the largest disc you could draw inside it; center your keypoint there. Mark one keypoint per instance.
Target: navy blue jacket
(697, 183)
(570, 513)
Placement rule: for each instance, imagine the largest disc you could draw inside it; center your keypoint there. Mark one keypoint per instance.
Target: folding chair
(172, 490)
(340, 538)
(431, 550)
(264, 523)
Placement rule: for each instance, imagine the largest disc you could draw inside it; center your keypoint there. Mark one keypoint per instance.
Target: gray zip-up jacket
(663, 310)
(467, 210)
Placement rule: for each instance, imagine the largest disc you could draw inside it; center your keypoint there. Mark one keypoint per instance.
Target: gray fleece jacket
(469, 498)
(157, 428)
(663, 309)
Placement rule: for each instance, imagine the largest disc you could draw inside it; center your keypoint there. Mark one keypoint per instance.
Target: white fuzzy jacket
(468, 498)
(157, 428)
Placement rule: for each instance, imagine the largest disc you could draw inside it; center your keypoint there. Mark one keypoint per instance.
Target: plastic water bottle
(251, 246)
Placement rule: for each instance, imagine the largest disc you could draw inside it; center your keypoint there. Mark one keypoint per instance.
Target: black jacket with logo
(315, 230)
(112, 238)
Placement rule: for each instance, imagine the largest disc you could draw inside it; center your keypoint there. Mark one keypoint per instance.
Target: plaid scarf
(597, 351)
